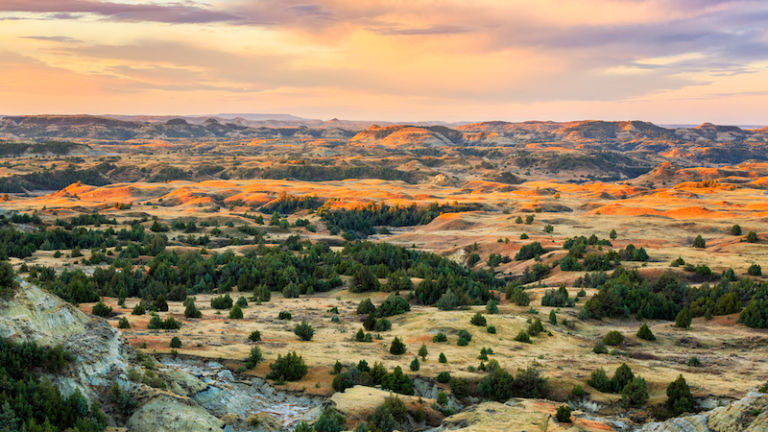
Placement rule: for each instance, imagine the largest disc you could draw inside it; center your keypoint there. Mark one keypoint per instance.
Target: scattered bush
(570, 263)
(283, 315)
(517, 296)
(122, 399)
(304, 331)
(755, 314)
(613, 338)
(440, 337)
(443, 377)
(291, 290)
(236, 312)
(398, 382)
(393, 305)
(123, 323)
(391, 415)
(535, 327)
(557, 298)
(464, 338)
(382, 324)
(599, 380)
(168, 324)
(699, 242)
(175, 342)
(529, 251)
(303, 426)
(343, 381)
(755, 270)
(190, 310)
(442, 358)
(478, 319)
(523, 337)
(102, 310)
(491, 307)
(621, 377)
(364, 280)
(491, 329)
(483, 354)
(423, 352)
(397, 347)
(645, 333)
(362, 336)
(552, 317)
(415, 365)
(459, 387)
(679, 398)
(222, 302)
(290, 367)
(679, 261)
(255, 336)
(684, 318)
(366, 307)
(599, 348)
(577, 392)
(155, 323)
(634, 394)
(500, 385)
(563, 414)
(752, 237)
(537, 272)
(254, 358)
(448, 301)
(138, 310)
(330, 421)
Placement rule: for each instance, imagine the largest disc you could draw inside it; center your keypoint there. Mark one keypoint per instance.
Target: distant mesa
(406, 135)
(632, 146)
(177, 122)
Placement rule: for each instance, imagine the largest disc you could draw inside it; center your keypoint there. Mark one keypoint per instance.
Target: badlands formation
(203, 274)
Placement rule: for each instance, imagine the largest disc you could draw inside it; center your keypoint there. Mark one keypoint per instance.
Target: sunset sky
(668, 61)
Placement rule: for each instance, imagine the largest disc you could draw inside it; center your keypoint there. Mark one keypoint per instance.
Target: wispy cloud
(167, 13)
(484, 53)
(62, 39)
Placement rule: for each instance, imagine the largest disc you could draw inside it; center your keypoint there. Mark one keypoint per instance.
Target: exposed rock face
(194, 395)
(241, 403)
(531, 415)
(167, 414)
(360, 402)
(495, 416)
(749, 414)
(99, 349)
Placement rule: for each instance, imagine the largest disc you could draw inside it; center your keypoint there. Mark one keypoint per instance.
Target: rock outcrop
(100, 351)
(532, 415)
(166, 414)
(179, 396)
(749, 414)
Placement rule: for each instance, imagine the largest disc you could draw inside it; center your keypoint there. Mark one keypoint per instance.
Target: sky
(667, 61)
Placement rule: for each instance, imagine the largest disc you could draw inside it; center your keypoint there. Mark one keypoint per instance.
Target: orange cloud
(667, 61)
